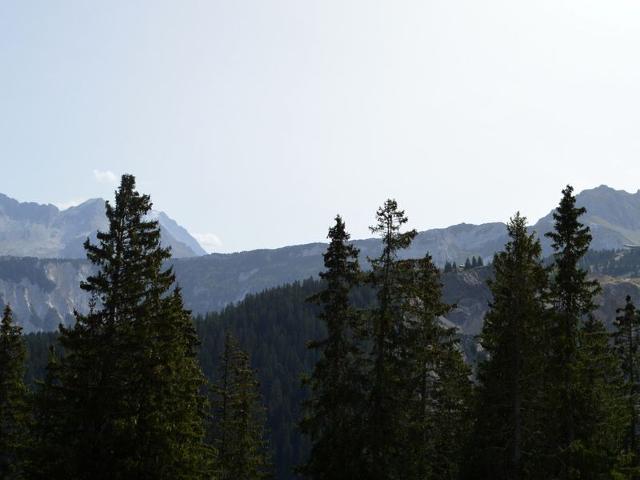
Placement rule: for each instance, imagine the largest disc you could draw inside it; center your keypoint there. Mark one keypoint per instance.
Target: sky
(253, 122)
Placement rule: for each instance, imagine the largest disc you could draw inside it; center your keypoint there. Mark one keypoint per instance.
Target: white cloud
(209, 241)
(105, 176)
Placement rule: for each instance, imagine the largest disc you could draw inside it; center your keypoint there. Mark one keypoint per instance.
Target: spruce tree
(627, 340)
(601, 413)
(14, 406)
(506, 441)
(333, 412)
(572, 300)
(50, 442)
(389, 279)
(129, 376)
(467, 264)
(238, 418)
(435, 390)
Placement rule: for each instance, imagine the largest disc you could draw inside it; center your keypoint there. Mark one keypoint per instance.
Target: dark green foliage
(506, 443)
(472, 262)
(434, 391)
(418, 385)
(238, 418)
(49, 455)
(129, 379)
(389, 396)
(601, 413)
(38, 351)
(386, 278)
(274, 327)
(14, 406)
(572, 403)
(617, 263)
(627, 339)
(334, 412)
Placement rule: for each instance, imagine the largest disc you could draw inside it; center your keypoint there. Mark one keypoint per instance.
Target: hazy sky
(253, 122)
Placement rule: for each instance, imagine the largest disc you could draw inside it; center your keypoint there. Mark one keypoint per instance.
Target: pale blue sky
(257, 120)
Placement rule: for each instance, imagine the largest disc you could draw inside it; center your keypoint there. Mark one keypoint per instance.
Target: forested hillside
(274, 327)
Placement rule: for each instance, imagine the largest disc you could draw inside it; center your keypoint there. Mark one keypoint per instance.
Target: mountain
(44, 231)
(45, 291)
(613, 216)
(454, 243)
(178, 235)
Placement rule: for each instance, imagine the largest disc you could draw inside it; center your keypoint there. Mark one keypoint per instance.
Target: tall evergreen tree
(601, 413)
(506, 441)
(627, 340)
(48, 455)
(572, 300)
(388, 278)
(435, 391)
(333, 413)
(129, 376)
(14, 406)
(467, 264)
(238, 418)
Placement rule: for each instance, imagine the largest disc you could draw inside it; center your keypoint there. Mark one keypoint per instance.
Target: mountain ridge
(45, 231)
(212, 282)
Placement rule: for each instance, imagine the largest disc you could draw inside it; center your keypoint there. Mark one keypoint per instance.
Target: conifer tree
(238, 418)
(14, 406)
(601, 413)
(333, 413)
(467, 264)
(129, 376)
(48, 455)
(480, 261)
(447, 267)
(572, 300)
(627, 339)
(434, 394)
(506, 440)
(388, 278)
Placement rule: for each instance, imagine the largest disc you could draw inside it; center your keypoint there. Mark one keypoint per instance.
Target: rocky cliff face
(44, 231)
(44, 293)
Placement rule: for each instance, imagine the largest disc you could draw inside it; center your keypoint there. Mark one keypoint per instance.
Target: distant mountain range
(44, 292)
(43, 231)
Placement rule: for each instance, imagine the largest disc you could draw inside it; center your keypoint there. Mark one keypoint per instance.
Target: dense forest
(352, 375)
